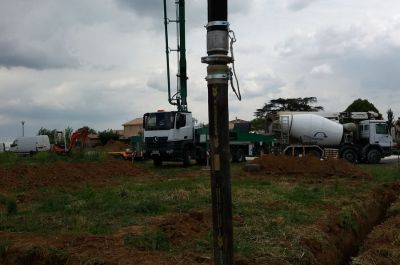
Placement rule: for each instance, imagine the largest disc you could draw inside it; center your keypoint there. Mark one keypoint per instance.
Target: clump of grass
(149, 240)
(93, 261)
(11, 205)
(4, 245)
(347, 220)
(45, 157)
(9, 158)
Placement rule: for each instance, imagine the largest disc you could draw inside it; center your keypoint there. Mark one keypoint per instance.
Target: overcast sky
(101, 62)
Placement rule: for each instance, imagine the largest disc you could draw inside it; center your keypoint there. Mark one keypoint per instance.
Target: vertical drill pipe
(219, 144)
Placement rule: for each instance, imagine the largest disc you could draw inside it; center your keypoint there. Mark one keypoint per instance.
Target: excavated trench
(344, 234)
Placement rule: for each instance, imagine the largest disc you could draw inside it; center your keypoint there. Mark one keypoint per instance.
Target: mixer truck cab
(168, 136)
(376, 140)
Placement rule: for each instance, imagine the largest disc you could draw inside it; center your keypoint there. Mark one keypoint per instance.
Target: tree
(282, 104)
(390, 118)
(361, 105)
(107, 135)
(48, 132)
(288, 104)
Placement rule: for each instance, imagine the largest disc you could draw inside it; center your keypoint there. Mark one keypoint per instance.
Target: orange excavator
(80, 135)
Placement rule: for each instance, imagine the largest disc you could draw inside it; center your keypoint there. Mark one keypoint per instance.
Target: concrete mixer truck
(364, 140)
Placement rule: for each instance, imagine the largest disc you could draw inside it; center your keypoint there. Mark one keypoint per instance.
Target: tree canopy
(361, 105)
(288, 104)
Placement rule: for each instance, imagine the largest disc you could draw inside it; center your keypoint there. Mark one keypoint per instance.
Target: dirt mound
(63, 173)
(185, 228)
(308, 166)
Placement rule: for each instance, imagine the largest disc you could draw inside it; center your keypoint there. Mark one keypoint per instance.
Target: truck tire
(373, 156)
(186, 157)
(157, 161)
(239, 155)
(350, 155)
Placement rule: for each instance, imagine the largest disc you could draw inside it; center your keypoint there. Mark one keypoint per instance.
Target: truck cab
(168, 136)
(375, 133)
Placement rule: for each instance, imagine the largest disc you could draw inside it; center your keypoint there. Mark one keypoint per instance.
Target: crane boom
(179, 98)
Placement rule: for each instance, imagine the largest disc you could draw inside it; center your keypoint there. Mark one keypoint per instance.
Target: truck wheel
(239, 155)
(186, 157)
(350, 155)
(374, 156)
(157, 161)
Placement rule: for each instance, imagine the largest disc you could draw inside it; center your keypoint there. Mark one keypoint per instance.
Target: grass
(149, 240)
(269, 213)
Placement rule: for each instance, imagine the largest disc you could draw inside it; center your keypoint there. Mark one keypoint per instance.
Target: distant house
(235, 121)
(133, 128)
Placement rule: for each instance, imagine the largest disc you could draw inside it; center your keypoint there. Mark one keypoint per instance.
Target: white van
(29, 145)
(2, 147)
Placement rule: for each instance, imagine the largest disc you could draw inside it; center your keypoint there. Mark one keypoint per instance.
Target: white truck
(2, 147)
(364, 140)
(30, 145)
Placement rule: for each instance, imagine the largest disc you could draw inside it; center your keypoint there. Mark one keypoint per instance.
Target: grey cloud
(328, 43)
(38, 35)
(35, 56)
(261, 84)
(296, 5)
(148, 8)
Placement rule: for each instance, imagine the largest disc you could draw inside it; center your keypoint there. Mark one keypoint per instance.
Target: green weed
(4, 245)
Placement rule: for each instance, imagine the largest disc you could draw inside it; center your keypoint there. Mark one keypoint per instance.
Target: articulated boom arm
(81, 134)
(179, 98)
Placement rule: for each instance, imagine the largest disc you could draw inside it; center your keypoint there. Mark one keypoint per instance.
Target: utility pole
(23, 129)
(218, 75)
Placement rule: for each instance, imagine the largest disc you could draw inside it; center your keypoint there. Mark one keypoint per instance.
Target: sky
(101, 63)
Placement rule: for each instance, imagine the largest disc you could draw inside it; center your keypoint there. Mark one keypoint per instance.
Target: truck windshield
(381, 128)
(159, 121)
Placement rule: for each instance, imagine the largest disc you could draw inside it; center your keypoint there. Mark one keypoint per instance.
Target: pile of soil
(184, 228)
(308, 166)
(69, 174)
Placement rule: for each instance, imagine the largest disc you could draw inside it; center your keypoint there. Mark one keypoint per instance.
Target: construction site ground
(92, 209)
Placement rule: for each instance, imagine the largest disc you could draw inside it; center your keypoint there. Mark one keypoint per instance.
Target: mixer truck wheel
(239, 155)
(157, 161)
(350, 155)
(374, 156)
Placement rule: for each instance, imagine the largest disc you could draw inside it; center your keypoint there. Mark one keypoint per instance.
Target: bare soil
(307, 167)
(62, 173)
